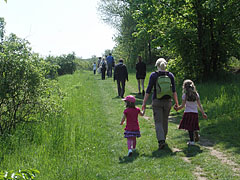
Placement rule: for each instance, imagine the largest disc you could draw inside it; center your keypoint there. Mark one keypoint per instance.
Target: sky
(57, 27)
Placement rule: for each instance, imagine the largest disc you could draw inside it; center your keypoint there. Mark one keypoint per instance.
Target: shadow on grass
(166, 151)
(117, 97)
(126, 159)
(192, 151)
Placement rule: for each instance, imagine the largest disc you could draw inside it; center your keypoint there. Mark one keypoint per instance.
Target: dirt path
(207, 144)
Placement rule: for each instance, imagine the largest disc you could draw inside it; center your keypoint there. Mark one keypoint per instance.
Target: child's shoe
(129, 152)
(196, 136)
(191, 143)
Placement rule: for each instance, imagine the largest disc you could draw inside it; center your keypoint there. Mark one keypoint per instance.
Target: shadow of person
(166, 151)
(126, 159)
(192, 151)
(116, 97)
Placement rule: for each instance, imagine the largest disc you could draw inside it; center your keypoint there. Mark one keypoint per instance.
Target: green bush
(24, 90)
(65, 64)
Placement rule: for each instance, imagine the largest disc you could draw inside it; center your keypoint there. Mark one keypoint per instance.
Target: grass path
(106, 152)
(177, 161)
(87, 142)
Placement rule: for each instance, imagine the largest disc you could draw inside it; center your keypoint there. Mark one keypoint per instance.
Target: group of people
(103, 65)
(162, 84)
(120, 72)
(161, 106)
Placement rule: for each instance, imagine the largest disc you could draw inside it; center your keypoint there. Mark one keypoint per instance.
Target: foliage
(28, 174)
(24, 90)
(65, 63)
(2, 29)
(205, 34)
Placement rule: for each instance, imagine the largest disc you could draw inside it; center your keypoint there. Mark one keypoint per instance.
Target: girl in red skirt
(191, 102)
(132, 129)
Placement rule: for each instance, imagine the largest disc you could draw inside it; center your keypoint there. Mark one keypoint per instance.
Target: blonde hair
(161, 63)
(190, 90)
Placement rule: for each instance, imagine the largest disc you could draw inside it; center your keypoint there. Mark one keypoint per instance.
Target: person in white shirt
(94, 67)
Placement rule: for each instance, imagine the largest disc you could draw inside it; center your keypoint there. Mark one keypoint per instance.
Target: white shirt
(94, 66)
(191, 106)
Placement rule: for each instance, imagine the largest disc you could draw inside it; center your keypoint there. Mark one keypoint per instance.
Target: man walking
(110, 65)
(121, 75)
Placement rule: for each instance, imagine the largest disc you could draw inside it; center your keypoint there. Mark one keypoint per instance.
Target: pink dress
(132, 126)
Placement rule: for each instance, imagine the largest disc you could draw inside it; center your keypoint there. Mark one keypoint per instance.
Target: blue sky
(58, 27)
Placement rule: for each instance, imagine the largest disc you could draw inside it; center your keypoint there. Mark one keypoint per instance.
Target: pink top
(132, 119)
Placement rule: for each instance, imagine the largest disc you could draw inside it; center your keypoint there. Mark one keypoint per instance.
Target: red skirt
(189, 121)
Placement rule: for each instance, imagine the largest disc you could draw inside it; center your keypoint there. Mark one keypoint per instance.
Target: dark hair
(190, 90)
(130, 104)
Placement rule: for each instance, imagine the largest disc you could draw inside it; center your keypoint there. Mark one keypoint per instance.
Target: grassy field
(87, 141)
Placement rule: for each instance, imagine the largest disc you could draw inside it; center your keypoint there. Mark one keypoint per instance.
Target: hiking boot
(143, 92)
(190, 143)
(161, 144)
(130, 152)
(196, 136)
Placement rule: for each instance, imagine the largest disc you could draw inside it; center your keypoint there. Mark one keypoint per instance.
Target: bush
(65, 64)
(24, 90)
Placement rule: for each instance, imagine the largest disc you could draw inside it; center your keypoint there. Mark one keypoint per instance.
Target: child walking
(191, 102)
(132, 129)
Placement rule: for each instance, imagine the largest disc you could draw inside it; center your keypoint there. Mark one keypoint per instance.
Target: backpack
(103, 65)
(163, 86)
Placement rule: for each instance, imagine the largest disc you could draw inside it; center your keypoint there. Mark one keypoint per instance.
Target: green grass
(87, 142)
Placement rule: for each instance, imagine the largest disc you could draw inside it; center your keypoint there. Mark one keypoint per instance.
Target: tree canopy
(198, 36)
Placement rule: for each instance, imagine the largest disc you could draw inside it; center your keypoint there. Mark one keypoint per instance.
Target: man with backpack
(163, 85)
(121, 75)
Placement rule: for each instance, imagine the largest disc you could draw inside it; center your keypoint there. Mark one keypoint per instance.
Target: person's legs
(139, 87)
(190, 135)
(142, 83)
(123, 88)
(134, 142)
(104, 72)
(119, 87)
(129, 143)
(158, 119)
(110, 71)
(166, 112)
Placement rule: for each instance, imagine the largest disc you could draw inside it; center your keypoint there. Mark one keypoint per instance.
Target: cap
(130, 99)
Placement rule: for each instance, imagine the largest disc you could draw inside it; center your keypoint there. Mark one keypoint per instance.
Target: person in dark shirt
(140, 74)
(121, 75)
(161, 107)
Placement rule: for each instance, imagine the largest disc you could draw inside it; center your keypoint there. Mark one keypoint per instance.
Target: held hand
(176, 107)
(143, 107)
(121, 123)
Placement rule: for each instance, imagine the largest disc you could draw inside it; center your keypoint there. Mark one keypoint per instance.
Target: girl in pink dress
(191, 102)
(132, 129)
